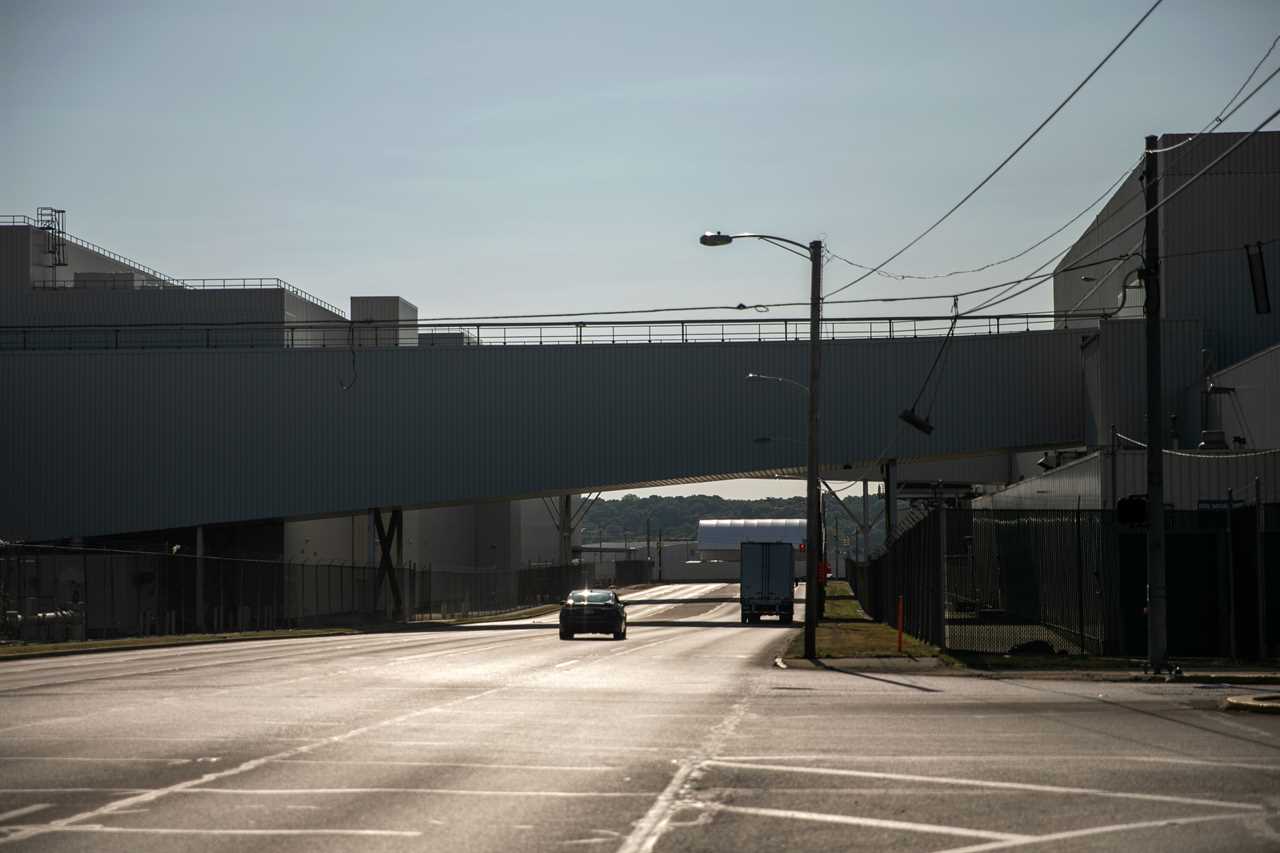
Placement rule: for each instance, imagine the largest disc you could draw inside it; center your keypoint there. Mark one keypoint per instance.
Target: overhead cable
(1007, 159)
(908, 276)
(1170, 197)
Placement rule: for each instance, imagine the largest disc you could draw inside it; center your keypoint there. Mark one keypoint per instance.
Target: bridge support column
(200, 579)
(390, 536)
(564, 526)
(890, 498)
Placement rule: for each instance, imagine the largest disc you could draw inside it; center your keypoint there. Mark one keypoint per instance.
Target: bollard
(899, 624)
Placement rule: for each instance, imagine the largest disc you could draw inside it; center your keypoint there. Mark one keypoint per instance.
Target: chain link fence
(54, 594)
(1074, 582)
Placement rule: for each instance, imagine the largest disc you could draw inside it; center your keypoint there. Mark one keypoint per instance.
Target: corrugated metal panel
(1122, 377)
(1203, 231)
(1057, 489)
(720, 534)
(1189, 478)
(1192, 477)
(1252, 409)
(1070, 288)
(115, 441)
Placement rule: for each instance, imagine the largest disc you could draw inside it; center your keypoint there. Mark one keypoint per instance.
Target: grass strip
(846, 631)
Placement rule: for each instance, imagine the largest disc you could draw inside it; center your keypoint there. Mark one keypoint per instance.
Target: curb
(1267, 703)
(142, 647)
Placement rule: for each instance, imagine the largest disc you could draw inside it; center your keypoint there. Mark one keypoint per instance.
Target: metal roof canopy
(729, 533)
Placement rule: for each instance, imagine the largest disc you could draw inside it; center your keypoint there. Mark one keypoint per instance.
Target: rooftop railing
(112, 282)
(376, 335)
(155, 278)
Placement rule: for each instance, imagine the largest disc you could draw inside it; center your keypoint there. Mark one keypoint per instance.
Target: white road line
(252, 764)
(983, 783)
(563, 664)
(875, 823)
(943, 757)
(174, 761)
(153, 830)
(458, 792)
(654, 824)
(634, 649)
(555, 767)
(1097, 830)
(25, 810)
(72, 790)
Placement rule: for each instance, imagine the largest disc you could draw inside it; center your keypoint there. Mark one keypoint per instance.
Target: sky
(503, 157)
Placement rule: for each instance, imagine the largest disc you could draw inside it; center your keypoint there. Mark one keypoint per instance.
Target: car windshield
(590, 597)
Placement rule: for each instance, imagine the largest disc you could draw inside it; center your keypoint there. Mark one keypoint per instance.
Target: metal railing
(94, 247)
(156, 278)
(119, 282)
(366, 335)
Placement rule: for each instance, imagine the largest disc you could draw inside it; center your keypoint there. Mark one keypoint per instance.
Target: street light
(813, 550)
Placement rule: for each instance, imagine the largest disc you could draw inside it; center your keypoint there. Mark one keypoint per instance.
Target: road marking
(252, 764)
(983, 783)
(554, 767)
(72, 790)
(931, 759)
(153, 830)
(25, 810)
(460, 792)
(876, 823)
(173, 761)
(1097, 830)
(563, 664)
(635, 649)
(654, 824)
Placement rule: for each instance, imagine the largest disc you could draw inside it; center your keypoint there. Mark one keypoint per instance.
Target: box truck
(767, 581)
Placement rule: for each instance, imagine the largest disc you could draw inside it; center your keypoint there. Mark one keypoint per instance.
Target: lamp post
(813, 549)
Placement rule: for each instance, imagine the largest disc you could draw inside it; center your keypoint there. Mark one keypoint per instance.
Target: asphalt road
(682, 738)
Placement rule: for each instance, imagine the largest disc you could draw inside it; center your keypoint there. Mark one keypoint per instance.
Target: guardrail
(378, 335)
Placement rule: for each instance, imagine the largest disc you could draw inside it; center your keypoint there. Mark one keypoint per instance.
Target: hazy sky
(480, 158)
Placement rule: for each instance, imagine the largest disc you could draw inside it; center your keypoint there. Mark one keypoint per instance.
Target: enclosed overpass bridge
(188, 427)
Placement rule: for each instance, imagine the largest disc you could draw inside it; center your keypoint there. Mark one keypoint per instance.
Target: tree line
(675, 518)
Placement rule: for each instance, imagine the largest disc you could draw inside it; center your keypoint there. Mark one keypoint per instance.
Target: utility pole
(1157, 625)
(812, 534)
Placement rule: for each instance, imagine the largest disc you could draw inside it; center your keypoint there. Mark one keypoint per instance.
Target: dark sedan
(593, 611)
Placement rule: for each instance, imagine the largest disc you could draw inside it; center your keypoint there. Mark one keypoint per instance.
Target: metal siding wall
(1057, 489)
(1257, 393)
(1236, 203)
(1190, 477)
(1124, 206)
(113, 441)
(1122, 359)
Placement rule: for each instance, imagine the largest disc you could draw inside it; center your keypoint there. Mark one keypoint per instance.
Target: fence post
(940, 612)
(1079, 578)
(899, 623)
(1231, 576)
(1260, 567)
(404, 599)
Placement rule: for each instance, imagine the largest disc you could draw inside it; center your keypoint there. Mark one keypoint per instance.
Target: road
(501, 737)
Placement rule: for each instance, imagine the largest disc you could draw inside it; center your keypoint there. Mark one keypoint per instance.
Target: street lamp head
(910, 418)
(715, 238)
(753, 376)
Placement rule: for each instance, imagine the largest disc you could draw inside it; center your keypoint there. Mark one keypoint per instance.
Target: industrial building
(245, 419)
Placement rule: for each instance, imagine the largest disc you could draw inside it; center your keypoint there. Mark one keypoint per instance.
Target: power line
(1225, 113)
(1008, 158)
(1170, 197)
(907, 276)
